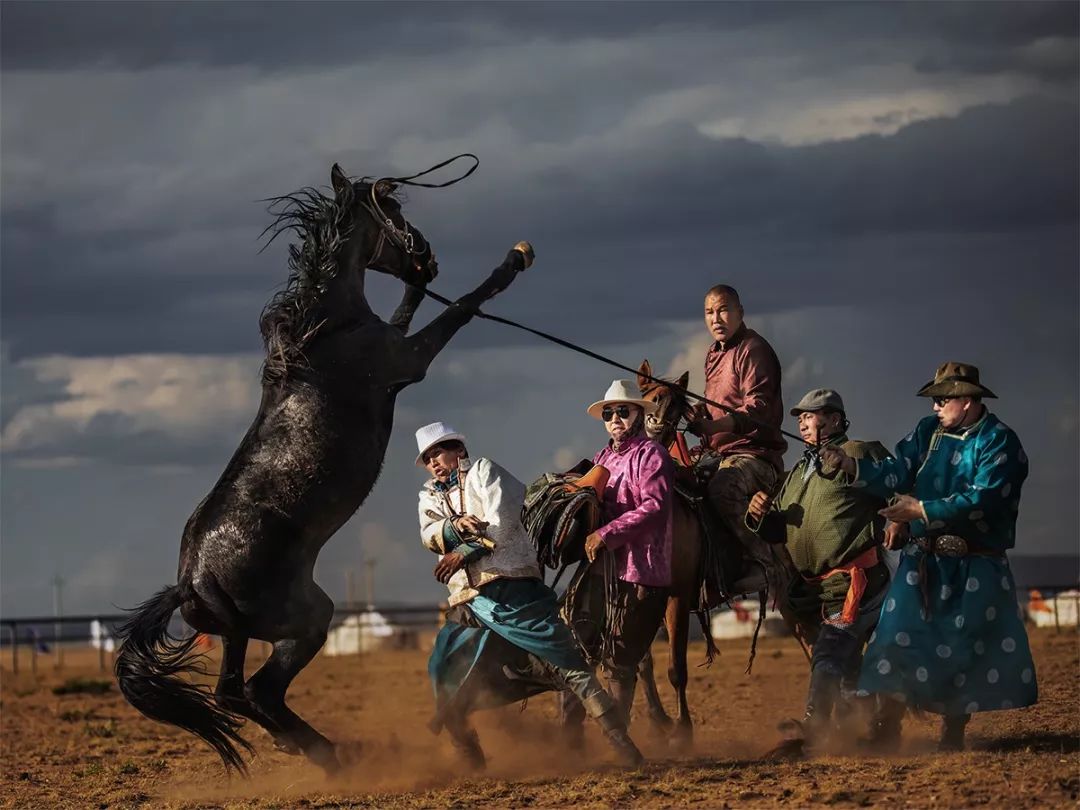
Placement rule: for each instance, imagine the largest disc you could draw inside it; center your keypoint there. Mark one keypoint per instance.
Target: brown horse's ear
(644, 372)
(684, 380)
(339, 180)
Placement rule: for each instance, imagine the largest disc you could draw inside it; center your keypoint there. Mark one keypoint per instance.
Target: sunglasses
(941, 402)
(622, 411)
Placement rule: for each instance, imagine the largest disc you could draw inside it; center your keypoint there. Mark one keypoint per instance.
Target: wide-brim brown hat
(956, 380)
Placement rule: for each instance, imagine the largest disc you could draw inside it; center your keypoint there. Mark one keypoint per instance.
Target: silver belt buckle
(949, 545)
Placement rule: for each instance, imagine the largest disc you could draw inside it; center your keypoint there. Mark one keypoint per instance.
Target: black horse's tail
(147, 666)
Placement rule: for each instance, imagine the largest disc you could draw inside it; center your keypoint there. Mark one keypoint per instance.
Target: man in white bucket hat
(470, 515)
(635, 535)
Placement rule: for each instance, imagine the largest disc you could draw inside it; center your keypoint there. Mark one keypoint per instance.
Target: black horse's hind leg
(230, 691)
(266, 689)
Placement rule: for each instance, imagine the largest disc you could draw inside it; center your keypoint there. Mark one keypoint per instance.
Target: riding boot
(884, 736)
(952, 732)
(824, 690)
(615, 731)
(468, 743)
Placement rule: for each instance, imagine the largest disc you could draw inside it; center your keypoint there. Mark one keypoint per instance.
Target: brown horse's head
(671, 404)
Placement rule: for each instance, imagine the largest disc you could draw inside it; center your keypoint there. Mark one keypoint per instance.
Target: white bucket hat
(430, 435)
(621, 391)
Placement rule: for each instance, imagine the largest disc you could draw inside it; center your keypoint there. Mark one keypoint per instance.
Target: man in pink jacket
(616, 606)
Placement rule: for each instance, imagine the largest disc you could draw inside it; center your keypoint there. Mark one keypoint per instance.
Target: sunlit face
(723, 316)
(619, 419)
(954, 412)
(441, 461)
(817, 426)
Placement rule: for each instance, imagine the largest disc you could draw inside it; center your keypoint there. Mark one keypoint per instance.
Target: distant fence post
(13, 629)
(101, 644)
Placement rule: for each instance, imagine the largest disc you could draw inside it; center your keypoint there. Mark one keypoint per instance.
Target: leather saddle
(561, 510)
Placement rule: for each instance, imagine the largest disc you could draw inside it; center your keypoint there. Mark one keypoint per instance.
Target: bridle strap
(404, 238)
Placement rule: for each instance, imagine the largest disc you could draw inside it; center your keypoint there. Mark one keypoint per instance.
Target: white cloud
(815, 111)
(187, 398)
(568, 456)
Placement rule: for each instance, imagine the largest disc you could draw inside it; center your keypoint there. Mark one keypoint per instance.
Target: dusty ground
(94, 751)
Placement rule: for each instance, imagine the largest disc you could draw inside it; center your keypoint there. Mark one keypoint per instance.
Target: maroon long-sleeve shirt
(744, 374)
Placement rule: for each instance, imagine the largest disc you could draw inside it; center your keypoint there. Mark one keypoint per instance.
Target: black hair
(844, 423)
(724, 289)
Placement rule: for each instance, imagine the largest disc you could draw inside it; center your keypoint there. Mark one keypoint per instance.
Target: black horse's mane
(322, 224)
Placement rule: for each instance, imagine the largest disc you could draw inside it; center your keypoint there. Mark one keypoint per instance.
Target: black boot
(884, 736)
(824, 690)
(952, 732)
(467, 742)
(792, 745)
(615, 730)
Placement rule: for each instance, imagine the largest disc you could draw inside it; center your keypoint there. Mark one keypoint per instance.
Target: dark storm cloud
(275, 36)
(673, 199)
(648, 150)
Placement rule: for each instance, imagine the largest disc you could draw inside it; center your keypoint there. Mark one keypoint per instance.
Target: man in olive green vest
(833, 534)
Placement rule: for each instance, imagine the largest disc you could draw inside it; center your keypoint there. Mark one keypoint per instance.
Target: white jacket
(493, 495)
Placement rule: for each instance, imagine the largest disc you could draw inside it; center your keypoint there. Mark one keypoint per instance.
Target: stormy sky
(888, 185)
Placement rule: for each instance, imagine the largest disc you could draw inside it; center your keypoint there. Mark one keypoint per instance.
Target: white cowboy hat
(430, 435)
(621, 391)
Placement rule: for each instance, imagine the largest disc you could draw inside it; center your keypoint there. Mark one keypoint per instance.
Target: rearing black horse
(332, 373)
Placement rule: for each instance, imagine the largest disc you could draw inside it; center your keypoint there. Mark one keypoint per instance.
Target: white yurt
(359, 633)
(741, 619)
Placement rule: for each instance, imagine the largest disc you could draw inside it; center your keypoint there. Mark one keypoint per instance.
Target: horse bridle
(666, 423)
(404, 239)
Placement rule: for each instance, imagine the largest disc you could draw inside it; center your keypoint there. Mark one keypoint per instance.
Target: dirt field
(94, 751)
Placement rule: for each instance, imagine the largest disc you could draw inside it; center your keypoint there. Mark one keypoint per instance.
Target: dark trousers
(617, 635)
(834, 665)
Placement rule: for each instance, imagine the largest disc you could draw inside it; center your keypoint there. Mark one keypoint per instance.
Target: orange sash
(856, 569)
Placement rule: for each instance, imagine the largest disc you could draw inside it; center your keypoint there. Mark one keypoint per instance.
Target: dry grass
(85, 750)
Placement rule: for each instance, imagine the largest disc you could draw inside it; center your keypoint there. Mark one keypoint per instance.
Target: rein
(566, 344)
(404, 238)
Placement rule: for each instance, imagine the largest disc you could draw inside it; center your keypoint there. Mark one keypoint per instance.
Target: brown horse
(687, 547)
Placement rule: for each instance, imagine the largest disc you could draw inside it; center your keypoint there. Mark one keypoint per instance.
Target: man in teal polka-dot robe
(951, 638)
